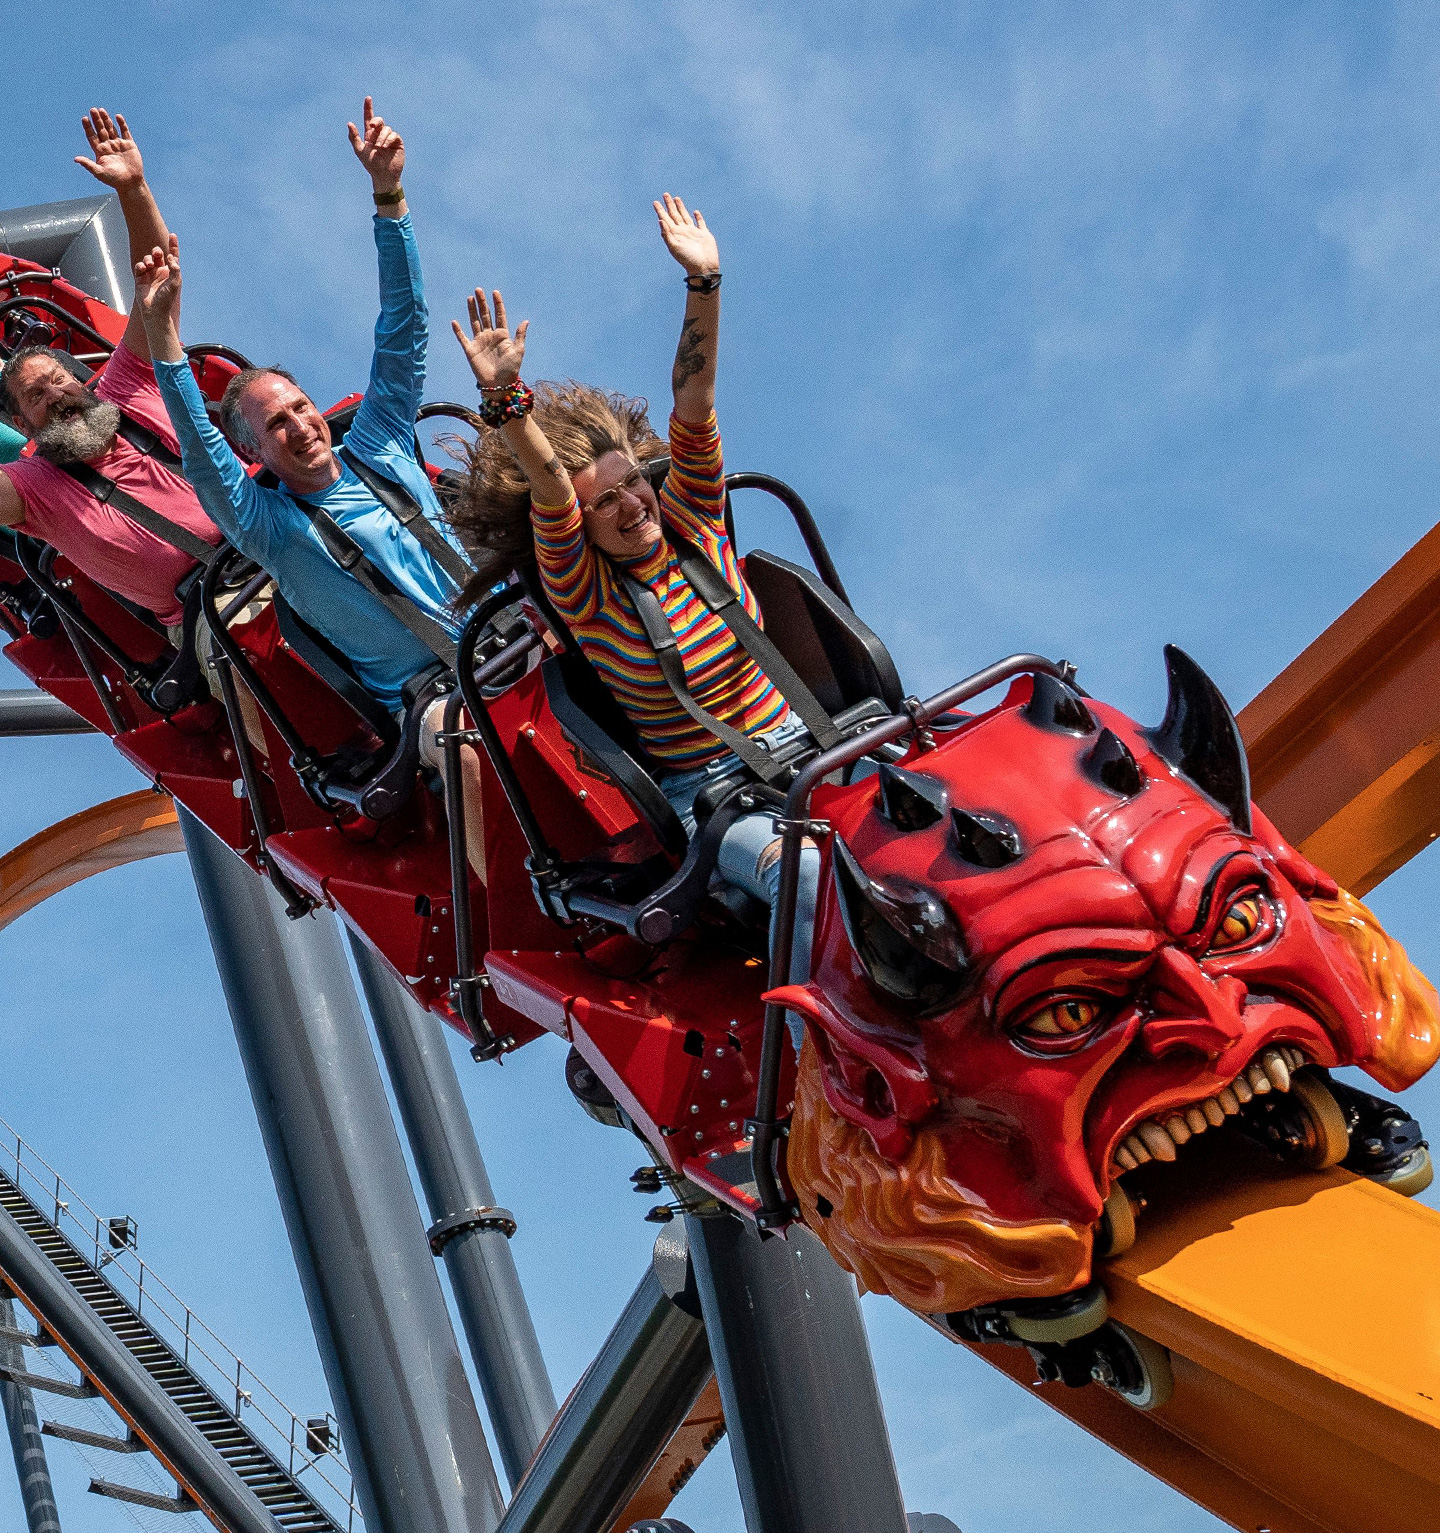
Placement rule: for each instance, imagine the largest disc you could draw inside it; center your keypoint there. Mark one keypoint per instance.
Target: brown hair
(16, 365)
(491, 510)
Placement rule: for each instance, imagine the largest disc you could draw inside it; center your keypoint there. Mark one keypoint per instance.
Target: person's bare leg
(432, 754)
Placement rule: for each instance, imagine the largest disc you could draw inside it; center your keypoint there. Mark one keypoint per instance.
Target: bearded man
(120, 430)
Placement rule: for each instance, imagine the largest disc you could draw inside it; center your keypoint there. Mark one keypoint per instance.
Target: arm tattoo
(689, 358)
(553, 467)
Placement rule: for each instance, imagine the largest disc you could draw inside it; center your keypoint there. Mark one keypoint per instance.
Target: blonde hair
(491, 510)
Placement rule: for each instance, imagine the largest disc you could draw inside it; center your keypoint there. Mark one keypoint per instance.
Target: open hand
(686, 237)
(379, 148)
(493, 353)
(157, 280)
(117, 159)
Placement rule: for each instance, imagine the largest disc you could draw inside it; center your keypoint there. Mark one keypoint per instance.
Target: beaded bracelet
(503, 402)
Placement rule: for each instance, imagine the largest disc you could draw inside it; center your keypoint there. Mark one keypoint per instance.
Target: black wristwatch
(707, 283)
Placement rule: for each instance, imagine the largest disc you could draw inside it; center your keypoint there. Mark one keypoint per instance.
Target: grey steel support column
(167, 1432)
(409, 1422)
(37, 1495)
(807, 1431)
(452, 1173)
(625, 1409)
(28, 711)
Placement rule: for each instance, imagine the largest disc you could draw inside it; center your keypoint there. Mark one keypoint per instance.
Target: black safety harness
(718, 596)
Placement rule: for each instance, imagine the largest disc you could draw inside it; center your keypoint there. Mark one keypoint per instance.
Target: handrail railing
(287, 1436)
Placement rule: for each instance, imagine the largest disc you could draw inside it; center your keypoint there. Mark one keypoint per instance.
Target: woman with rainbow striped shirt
(564, 472)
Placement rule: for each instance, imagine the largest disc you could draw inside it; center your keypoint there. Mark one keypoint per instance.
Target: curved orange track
(123, 830)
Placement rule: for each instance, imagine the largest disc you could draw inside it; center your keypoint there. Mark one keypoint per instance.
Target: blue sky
(1082, 328)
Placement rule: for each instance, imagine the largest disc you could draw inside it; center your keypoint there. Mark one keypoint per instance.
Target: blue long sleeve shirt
(267, 526)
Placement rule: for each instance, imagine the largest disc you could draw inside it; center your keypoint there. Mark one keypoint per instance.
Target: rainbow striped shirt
(588, 594)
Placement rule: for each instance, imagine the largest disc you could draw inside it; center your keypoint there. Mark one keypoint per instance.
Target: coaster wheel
(1320, 1122)
(1413, 1175)
(1140, 1371)
(1116, 1233)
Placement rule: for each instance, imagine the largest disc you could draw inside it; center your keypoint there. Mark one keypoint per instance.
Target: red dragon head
(1037, 943)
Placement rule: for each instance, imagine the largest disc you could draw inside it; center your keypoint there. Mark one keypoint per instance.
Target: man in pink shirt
(121, 430)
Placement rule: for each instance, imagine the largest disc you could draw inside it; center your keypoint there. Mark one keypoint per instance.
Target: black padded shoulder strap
(406, 510)
(714, 590)
(672, 668)
(351, 558)
(108, 492)
(144, 440)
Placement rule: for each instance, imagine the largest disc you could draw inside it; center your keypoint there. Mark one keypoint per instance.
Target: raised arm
(495, 356)
(116, 162)
(397, 369)
(568, 564)
(218, 477)
(692, 379)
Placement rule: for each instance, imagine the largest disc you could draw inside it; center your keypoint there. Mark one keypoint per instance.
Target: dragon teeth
(1259, 1081)
(1177, 1129)
(1125, 1160)
(1156, 1140)
(1241, 1087)
(1196, 1120)
(1229, 1102)
(1275, 1067)
(1136, 1146)
(1214, 1112)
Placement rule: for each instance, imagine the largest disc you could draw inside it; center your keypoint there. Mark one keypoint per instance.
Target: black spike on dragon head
(1199, 737)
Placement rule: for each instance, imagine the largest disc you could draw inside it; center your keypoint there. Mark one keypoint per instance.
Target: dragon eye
(1241, 921)
(1061, 1019)
(902, 933)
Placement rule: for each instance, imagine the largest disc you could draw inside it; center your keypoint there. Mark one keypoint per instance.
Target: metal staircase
(189, 1371)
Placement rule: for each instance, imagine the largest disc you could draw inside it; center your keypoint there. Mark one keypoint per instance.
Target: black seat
(588, 714)
(837, 656)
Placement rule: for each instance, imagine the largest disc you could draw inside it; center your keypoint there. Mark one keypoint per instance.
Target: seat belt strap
(144, 440)
(715, 591)
(672, 668)
(107, 492)
(351, 558)
(406, 510)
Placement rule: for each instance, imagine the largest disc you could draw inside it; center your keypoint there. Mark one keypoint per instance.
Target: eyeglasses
(607, 503)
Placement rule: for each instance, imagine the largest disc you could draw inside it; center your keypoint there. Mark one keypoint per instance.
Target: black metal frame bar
(775, 1209)
(306, 762)
(58, 311)
(804, 520)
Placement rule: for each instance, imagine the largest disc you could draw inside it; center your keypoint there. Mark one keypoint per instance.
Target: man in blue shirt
(271, 418)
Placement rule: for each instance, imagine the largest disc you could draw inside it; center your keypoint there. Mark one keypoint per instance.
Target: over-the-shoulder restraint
(406, 510)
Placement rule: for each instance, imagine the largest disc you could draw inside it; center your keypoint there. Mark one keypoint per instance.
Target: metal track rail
(288, 1502)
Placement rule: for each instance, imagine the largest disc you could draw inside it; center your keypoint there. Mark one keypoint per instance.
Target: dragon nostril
(879, 1100)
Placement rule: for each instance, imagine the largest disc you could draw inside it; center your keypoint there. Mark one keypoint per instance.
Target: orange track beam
(1301, 1317)
(1344, 744)
(695, 1437)
(108, 836)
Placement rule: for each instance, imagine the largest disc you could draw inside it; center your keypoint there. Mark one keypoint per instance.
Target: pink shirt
(99, 540)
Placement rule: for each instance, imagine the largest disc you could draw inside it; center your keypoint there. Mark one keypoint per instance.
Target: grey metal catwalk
(176, 1441)
(37, 1495)
(625, 1409)
(28, 711)
(465, 1227)
(84, 238)
(411, 1429)
(807, 1431)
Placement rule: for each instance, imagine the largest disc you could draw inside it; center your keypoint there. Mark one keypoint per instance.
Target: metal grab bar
(57, 311)
(775, 1209)
(804, 520)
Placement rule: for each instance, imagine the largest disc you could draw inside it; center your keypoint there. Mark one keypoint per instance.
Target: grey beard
(81, 437)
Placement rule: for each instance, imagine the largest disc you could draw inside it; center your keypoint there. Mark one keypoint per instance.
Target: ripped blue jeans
(749, 857)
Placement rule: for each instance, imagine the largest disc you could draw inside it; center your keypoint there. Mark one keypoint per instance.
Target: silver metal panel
(27, 711)
(84, 237)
